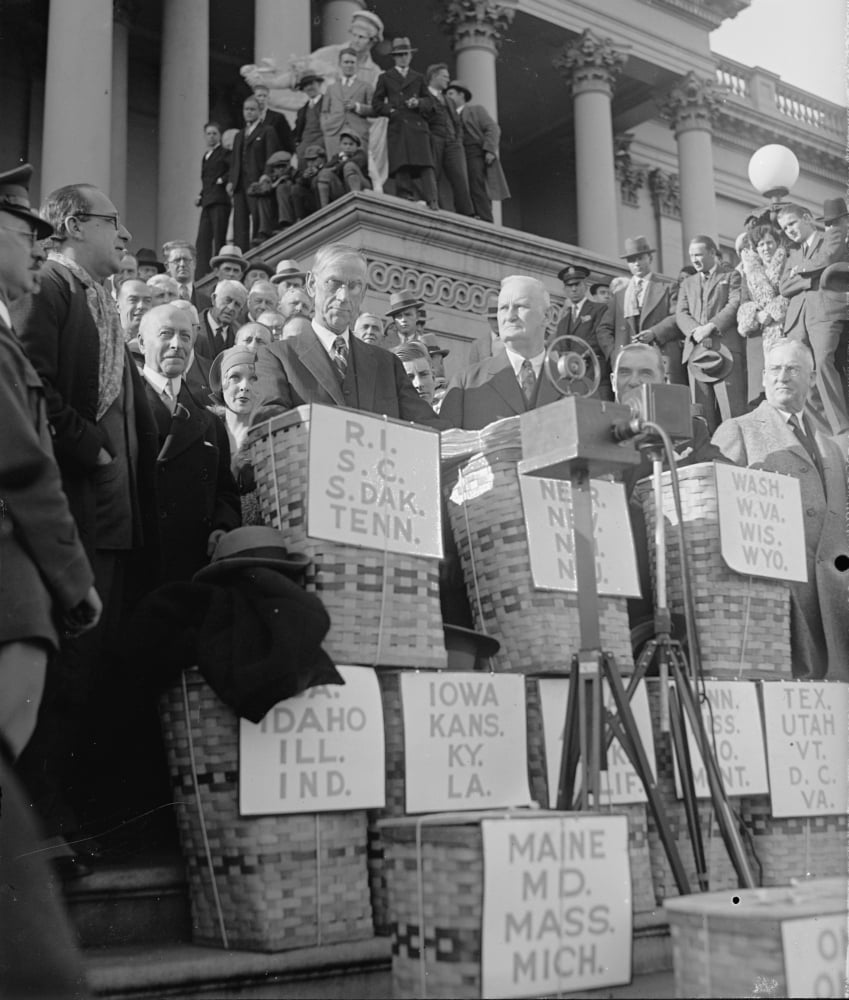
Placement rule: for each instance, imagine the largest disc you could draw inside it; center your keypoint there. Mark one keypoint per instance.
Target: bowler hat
(223, 362)
(832, 210)
(249, 547)
(708, 364)
(572, 273)
(352, 136)
(229, 254)
(313, 152)
(399, 301)
(456, 85)
(281, 158)
(835, 278)
(309, 78)
(287, 269)
(400, 46)
(636, 245)
(14, 199)
(432, 344)
(148, 257)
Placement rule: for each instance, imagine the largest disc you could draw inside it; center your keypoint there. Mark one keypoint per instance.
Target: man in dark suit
(481, 136)
(253, 221)
(777, 437)
(818, 319)
(512, 381)
(196, 496)
(218, 324)
(643, 312)
(446, 133)
(401, 95)
(274, 119)
(308, 119)
(181, 260)
(706, 313)
(328, 364)
(213, 200)
(581, 318)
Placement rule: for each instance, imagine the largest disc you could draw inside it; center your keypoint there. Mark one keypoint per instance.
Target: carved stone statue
(364, 32)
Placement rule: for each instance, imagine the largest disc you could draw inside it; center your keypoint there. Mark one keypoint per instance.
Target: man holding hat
(308, 120)
(481, 136)
(402, 97)
(714, 353)
(835, 215)
(581, 317)
(213, 199)
(229, 263)
(346, 107)
(253, 221)
(643, 312)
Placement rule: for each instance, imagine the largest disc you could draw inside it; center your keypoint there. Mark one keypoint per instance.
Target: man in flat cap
(401, 96)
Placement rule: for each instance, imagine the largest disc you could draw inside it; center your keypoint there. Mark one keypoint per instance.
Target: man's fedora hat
(230, 254)
(259, 265)
(308, 78)
(835, 278)
(636, 245)
(832, 210)
(708, 364)
(572, 273)
(14, 199)
(433, 346)
(147, 257)
(400, 46)
(456, 85)
(352, 136)
(287, 269)
(250, 547)
(281, 158)
(399, 301)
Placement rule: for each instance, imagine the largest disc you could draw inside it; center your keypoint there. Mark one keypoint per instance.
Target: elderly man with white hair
(163, 289)
(218, 324)
(512, 381)
(196, 375)
(262, 297)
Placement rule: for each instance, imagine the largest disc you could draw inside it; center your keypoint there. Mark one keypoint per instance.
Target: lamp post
(773, 170)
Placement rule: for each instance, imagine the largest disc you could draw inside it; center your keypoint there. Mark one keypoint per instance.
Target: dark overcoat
(408, 133)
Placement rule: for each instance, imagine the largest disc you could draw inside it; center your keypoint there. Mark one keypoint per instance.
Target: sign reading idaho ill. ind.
(761, 526)
(318, 752)
(551, 536)
(373, 482)
(556, 905)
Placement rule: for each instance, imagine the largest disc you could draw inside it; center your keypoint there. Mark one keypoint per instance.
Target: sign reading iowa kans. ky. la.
(373, 482)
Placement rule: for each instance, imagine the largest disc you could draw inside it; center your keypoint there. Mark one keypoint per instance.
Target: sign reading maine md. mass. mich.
(761, 526)
(373, 482)
(551, 536)
(556, 905)
(465, 741)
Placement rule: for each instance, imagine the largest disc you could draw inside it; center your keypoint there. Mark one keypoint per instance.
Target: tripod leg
(688, 787)
(633, 747)
(724, 816)
(570, 754)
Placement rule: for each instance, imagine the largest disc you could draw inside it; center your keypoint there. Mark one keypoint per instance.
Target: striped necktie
(340, 357)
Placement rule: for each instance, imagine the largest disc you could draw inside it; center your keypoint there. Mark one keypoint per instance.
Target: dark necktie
(808, 444)
(528, 381)
(340, 357)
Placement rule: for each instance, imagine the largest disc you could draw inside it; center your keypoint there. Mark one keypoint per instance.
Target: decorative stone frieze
(479, 23)
(590, 63)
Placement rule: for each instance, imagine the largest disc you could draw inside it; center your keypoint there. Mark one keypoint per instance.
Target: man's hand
(702, 332)
(645, 337)
(214, 538)
(197, 201)
(83, 616)
(230, 189)
(489, 158)
(103, 457)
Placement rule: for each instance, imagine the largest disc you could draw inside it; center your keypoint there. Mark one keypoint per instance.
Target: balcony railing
(766, 92)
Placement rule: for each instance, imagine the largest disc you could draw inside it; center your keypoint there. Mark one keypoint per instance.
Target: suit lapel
(653, 295)
(365, 372)
(314, 358)
(505, 383)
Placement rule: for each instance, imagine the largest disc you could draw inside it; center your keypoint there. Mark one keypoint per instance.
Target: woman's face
(239, 389)
(767, 245)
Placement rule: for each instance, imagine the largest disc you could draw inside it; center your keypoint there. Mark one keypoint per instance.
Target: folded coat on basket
(254, 634)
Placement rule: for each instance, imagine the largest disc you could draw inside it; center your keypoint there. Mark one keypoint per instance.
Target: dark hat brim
(403, 306)
(43, 229)
(295, 565)
(259, 265)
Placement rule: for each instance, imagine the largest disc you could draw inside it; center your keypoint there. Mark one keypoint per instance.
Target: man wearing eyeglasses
(327, 363)
(181, 264)
(104, 440)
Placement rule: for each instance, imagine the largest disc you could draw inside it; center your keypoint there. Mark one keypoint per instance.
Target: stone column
(691, 108)
(78, 95)
(122, 14)
(281, 30)
(336, 19)
(590, 66)
(183, 109)
(476, 32)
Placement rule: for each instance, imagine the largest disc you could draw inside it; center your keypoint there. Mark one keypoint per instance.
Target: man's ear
(309, 284)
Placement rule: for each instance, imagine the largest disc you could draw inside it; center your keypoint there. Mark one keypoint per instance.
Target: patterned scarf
(104, 312)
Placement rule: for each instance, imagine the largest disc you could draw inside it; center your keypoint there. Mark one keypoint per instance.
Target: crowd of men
(439, 149)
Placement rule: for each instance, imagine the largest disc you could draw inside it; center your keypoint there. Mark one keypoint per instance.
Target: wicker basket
(278, 882)
(743, 622)
(538, 629)
(732, 946)
(384, 608)
(642, 890)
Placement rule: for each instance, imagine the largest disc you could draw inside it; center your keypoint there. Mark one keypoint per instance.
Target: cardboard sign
(732, 720)
(806, 747)
(319, 752)
(761, 526)
(556, 905)
(373, 482)
(619, 783)
(465, 743)
(548, 518)
(815, 950)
